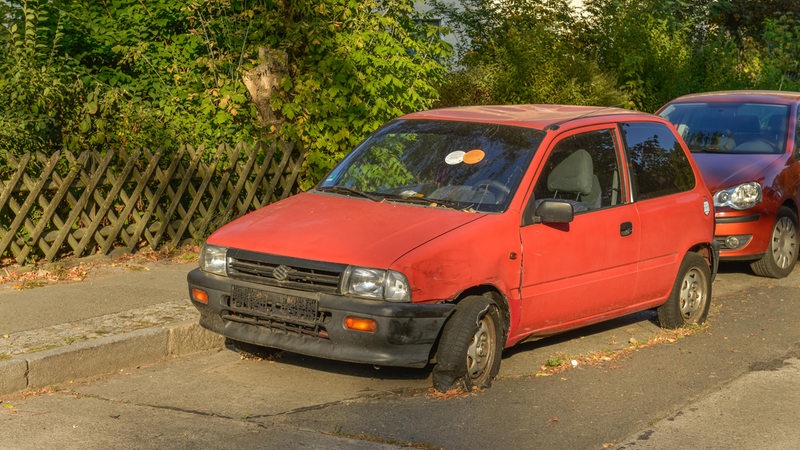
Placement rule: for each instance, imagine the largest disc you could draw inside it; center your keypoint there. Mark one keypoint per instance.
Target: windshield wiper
(349, 191)
(452, 204)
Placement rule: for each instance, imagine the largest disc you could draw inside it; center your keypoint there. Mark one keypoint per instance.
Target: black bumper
(404, 336)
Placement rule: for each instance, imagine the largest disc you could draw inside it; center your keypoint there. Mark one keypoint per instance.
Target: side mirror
(554, 211)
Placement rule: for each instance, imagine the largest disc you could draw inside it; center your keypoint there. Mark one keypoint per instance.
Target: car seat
(575, 176)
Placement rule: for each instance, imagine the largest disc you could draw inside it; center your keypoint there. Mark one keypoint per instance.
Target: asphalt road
(732, 384)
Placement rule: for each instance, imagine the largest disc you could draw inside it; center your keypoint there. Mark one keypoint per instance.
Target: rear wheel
(691, 294)
(471, 346)
(781, 254)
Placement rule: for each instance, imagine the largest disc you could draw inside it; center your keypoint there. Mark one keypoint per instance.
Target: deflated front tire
(471, 346)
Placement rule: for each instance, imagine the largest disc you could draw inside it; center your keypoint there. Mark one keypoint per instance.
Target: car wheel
(470, 347)
(691, 294)
(781, 254)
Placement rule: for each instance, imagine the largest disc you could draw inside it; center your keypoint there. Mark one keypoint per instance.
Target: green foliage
(522, 51)
(99, 74)
(640, 53)
(39, 87)
(353, 65)
(662, 49)
(165, 70)
(381, 168)
(781, 54)
(643, 43)
(742, 19)
(94, 74)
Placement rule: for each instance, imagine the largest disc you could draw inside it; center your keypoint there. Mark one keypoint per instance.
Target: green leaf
(85, 125)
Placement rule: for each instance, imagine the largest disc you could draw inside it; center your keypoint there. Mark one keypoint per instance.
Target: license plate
(274, 305)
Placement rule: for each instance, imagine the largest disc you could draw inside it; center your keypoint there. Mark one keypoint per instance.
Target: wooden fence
(63, 204)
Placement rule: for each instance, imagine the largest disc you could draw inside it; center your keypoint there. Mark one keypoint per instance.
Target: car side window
(583, 170)
(658, 164)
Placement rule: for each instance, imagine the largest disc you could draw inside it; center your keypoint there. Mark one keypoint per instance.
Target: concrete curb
(104, 355)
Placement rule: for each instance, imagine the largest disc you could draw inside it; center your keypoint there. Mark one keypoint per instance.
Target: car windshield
(463, 165)
(731, 127)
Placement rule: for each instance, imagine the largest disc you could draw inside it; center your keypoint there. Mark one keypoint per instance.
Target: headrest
(573, 174)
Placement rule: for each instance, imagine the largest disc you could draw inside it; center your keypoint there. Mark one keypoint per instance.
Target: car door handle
(625, 229)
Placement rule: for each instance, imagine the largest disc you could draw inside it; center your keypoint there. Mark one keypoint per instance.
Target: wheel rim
(784, 242)
(693, 295)
(481, 351)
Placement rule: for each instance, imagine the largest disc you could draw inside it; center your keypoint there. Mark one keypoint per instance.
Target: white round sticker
(456, 157)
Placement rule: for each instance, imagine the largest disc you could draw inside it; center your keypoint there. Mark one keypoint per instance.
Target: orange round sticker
(474, 156)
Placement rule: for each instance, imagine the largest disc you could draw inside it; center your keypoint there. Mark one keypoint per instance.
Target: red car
(449, 235)
(746, 145)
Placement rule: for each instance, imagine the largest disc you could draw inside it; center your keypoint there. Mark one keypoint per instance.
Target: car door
(662, 184)
(573, 272)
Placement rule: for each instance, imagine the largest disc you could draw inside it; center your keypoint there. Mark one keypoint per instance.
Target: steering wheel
(759, 145)
(498, 189)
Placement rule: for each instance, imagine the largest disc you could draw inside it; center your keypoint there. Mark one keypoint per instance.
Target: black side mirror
(554, 211)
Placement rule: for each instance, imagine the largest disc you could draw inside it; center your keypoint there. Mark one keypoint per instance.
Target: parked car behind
(451, 234)
(746, 145)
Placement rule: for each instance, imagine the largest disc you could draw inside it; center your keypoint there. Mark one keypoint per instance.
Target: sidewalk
(120, 315)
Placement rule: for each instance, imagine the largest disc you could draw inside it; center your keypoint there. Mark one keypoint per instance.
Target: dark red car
(449, 235)
(746, 145)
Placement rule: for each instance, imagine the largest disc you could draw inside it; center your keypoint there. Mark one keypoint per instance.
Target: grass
(73, 339)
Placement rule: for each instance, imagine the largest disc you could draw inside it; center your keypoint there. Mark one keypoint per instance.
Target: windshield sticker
(474, 156)
(456, 157)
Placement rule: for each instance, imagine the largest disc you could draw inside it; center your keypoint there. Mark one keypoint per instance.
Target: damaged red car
(449, 235)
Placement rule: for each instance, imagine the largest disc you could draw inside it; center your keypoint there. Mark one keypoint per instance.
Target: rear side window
(657, 162)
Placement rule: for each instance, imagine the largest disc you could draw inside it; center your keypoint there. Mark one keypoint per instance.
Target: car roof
(764, 96)
(531, 116)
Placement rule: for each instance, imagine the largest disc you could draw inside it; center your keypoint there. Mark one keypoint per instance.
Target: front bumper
(749, 233)
(404, 335)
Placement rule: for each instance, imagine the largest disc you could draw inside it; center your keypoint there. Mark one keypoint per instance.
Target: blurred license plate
(274, 305)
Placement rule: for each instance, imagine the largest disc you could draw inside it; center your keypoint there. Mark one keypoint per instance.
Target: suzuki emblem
(281, 273)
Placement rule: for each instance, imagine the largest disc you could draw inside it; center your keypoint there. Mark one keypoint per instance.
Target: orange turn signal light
(200, 295)
(359, 324)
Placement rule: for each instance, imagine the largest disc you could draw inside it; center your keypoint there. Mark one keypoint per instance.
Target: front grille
(314, 330)
(289, 273)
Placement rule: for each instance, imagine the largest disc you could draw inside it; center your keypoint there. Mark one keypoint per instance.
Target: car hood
(347, 230)
(723, 170)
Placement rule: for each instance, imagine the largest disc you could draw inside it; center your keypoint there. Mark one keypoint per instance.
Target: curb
(104, 355)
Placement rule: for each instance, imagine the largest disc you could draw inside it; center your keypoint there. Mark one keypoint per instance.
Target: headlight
(376, 283)
(743, 196)
(213, 259)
